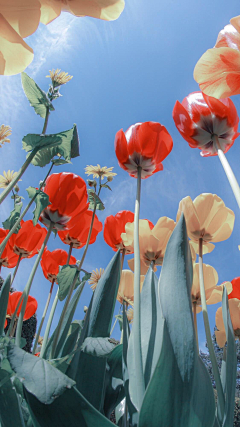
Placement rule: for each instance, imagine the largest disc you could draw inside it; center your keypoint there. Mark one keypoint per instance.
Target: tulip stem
(29, 284)
(45, 121)
(17, 223)
(49, 324)
(43, 317)
(216, 374)
(195, 322)
(122, 259)
(16, 268)
(11, 326)
(228, 170)
(69, 253)
(137, 314)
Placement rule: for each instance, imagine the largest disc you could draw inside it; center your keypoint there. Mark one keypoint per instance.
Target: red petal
(121, 148)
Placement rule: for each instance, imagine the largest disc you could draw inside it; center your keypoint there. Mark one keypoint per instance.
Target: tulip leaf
(100, 347)
(65, 279)
(94, 200)
(69, 409)
(41, 199)
(36, 96)
(14, 215)
(72, 337)
(119, 317)
(67, 148)
(40, 378)
(113, 386)
(180, 391)
(10, 412)
(230, 366)
(31, 141)
(4, 295)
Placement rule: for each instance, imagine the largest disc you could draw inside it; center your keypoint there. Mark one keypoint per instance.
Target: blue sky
(127, 71)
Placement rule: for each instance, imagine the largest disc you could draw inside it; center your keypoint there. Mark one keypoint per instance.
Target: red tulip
(236, 289)
(143, 144)
(31, 307)
(51, 261)
(114, 226)
(200, 117)
(68, 196)
(29, 239)
(79, 226)
(8, 258)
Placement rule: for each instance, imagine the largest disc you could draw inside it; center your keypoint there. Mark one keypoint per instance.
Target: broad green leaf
(32, 141)
(65, 279)
(4, 295)
(119, 411)
(37, 98)
(106, 186)
(113, 385)
(230, 366)
(64, 149)
(41, 200)
(62, 363)
(70, 409)
(14, 215)
(38, 376)
(10, 412)
(94, 200)
(59, 162)
(72, 337)
(100, 347)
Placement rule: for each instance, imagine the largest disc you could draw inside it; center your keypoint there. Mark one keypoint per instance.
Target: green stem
(11, 326)
(137, 314)
(216, 374)
(45, 121)
(194, 304)
(43, 318)
(228, 170)
(113, 327)
(18, 176)
(49, 324)
(69, 253)
(123, 256)
(17, 223)
(16, 268)
(29, 284)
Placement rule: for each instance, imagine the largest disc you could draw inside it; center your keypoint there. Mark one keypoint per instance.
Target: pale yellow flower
(130, 314)
(126, 287)
(97, 171)
(234, 309)
(59, 77)
(7, 178)
(5, 131)
(95, 277)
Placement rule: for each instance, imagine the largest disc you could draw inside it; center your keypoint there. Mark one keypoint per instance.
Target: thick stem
(49, 324)
(69, 253)
(216, 374)
(29, 284)
(16, 268)
(43, 317)
(194, 304)
(45, 121)
(228, 170)
(19, 174)
(137, 314)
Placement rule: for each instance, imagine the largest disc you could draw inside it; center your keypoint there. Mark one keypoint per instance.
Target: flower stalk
(16, 268)
(69, 253)
(49, 324)
(194, 304)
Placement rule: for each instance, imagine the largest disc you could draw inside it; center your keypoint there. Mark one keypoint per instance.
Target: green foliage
(72, 337)
(94, 200)
(14, 215)
(41, 199)
(10, 412)
(65, 279)
(113, 385)
(32, 141)
(36, 96)
(100, 347)
(4, 295)
(67, 147)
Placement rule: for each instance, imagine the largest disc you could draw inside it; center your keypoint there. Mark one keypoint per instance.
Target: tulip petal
(228, 37)
(207, 247)
(108, 10)
(191, 217)
(121, 148)
(235, 293)
(49, 11)
(236, 22)
(221, 338)
(183, 122)
(24, 18)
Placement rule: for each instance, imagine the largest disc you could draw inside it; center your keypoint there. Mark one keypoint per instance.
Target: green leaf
(106, 186)
(4, 295)
(41, 200)
(14, 215)
(119, 317)
(72, 337)
(94, 199)
(31, 141)
(59, 162)
(10, 412)
(70, 409)
(37, 98)
(230, 366)
(75, 143)
(64, 148)
(114, 389)
(65, 279)
(40, 378)
(100, 347)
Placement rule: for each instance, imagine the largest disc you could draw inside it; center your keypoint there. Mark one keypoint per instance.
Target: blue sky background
(127, 71)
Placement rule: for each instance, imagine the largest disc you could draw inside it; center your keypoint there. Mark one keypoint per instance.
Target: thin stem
(43, 317)
(45, 121)
(11, 326)
(49, 324)
(194, 304)
(216, 374)
(137, 314)
(123, 256)
(14, 228)
(16, 268)
(228, 170)
(113, 326)
(29, 284)
(69, 253)
(19, 174)
(14, 328)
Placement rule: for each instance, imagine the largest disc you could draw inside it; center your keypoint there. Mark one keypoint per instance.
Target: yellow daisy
(95, 277)
(97, 171)
(5, 131)
(59, 77)
(6, 178)
(130, 315)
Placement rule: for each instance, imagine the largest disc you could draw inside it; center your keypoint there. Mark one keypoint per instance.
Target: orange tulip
(51, 261)
(29, 239)
(114, 226)
(234, 309)
(31, 307)
(79, 226)
(68, 197)
(8, 258)
(143, 144)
